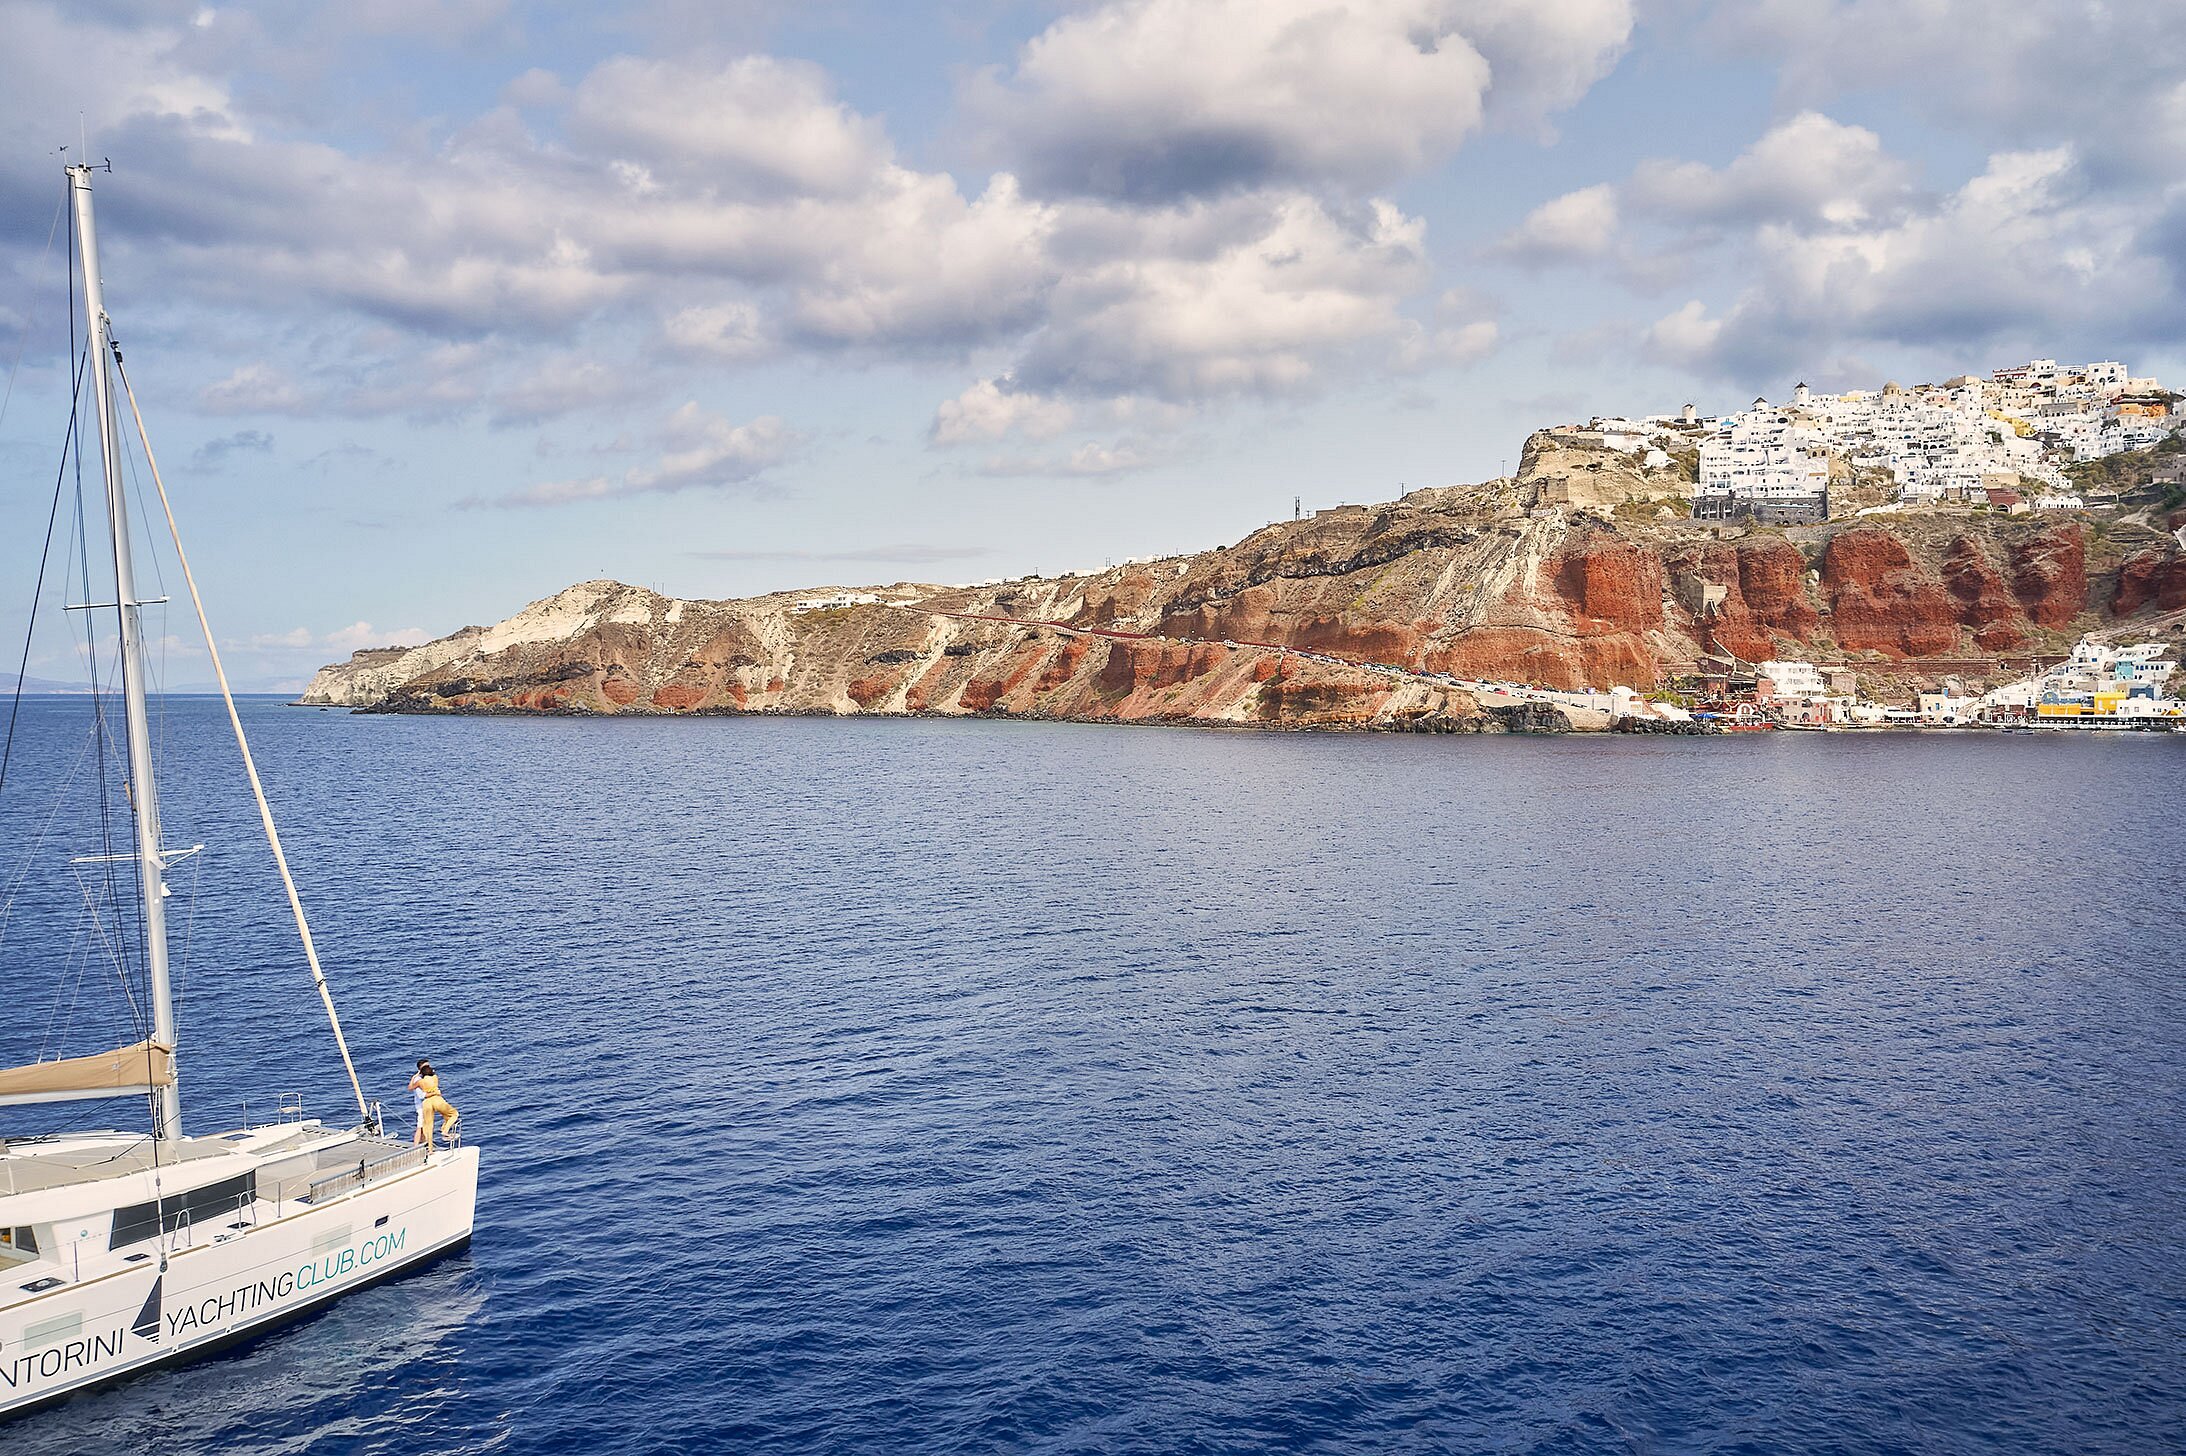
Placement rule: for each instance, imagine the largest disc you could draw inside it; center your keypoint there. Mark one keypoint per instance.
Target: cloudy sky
(438, 307)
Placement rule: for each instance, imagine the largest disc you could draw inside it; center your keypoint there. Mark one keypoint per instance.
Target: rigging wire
(30, 857)
(136, 1014)
(156, 677)
(22, 873)
(189, 938)
(242, 744)
(131, 784)
(71, 981)
(60, 477)
(100, 748)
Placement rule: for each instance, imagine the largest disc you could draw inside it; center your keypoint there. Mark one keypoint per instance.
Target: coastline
(1435, 612)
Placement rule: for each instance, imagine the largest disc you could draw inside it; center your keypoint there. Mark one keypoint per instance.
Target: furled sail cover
(125, 1069)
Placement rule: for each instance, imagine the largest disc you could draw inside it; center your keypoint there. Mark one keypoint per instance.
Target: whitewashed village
(2000, 443)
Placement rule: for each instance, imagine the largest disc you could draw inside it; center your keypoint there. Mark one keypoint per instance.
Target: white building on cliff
(1767, 462)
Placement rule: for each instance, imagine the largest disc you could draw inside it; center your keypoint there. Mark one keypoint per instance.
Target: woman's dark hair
(425, 1066)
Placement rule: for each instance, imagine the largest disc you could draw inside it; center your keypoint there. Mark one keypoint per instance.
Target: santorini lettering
(45, 1364)
(246, 1299)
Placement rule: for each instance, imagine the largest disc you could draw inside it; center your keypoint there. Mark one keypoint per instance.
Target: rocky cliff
(1334, 621)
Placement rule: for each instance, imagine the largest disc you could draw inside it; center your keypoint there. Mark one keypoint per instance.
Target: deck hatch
(141, 1221)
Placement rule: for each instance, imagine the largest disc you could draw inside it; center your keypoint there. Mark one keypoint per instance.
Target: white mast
(143, 798)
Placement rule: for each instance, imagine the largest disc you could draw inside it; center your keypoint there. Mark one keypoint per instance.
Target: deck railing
(375, 1160)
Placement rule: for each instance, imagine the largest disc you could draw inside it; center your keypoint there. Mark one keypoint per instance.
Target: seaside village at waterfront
(2000, 444)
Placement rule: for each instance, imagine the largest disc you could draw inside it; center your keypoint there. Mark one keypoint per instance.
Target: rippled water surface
(927, 1086)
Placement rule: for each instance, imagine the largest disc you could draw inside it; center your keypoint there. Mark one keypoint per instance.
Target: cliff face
(1488, 582)
(603, 647)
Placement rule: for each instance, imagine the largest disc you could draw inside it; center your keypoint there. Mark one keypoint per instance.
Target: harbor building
(2098, 686)
(1783, 679)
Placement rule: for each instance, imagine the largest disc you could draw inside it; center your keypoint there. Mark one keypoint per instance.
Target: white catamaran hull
(224, 1289)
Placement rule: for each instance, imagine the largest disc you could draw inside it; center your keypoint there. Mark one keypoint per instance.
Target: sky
(435, 308)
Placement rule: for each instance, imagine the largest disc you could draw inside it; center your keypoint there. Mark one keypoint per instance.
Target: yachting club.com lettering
(214, 1309)
(247, 1299)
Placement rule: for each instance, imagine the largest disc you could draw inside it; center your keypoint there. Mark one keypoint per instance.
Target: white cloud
(756, 125)
(1161, 99)
(1087, 460)
(700, 450)
(2022, 255)
(568, 250)
(1165, 98)
(733, 330)
(990, 411)
(1816, 239)
(656, 181)
(255, 389)
(142, 69)
(600, 230)
(1809, 170)
(359, 635)
(342, 639)
(214, 453)
(916, 264)
(1687, 336)
(1577, 225)
(1458, 345)
(1257, 295)
(2034, 73)
(535, 87)
(1544, 55)
(561, 384)
(705, 449)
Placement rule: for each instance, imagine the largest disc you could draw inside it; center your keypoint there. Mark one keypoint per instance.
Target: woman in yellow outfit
(428, 1085)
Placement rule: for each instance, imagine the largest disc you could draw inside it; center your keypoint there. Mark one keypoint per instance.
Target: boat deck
(274, 1171)
(31, 1165)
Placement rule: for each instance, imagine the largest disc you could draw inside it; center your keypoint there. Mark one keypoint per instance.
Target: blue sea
(925, 1086)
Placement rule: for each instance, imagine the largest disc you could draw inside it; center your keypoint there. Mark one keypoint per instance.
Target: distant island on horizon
(39, 686)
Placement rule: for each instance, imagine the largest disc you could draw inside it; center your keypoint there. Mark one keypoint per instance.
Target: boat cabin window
(214, 1201)
(20, 1242)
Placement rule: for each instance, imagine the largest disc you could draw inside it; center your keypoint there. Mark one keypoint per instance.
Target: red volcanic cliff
(1337, 621)
(1881, 599)
(1765, 597)
(2153, 578)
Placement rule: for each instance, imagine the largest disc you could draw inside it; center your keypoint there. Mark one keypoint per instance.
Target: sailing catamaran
(120, 1251)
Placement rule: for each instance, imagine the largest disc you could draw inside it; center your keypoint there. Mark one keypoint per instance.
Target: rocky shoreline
(1524, 718)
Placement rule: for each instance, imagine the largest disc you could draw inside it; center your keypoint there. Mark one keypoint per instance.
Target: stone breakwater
(1346, 620)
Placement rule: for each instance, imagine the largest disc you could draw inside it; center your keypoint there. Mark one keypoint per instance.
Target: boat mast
(151, 866)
